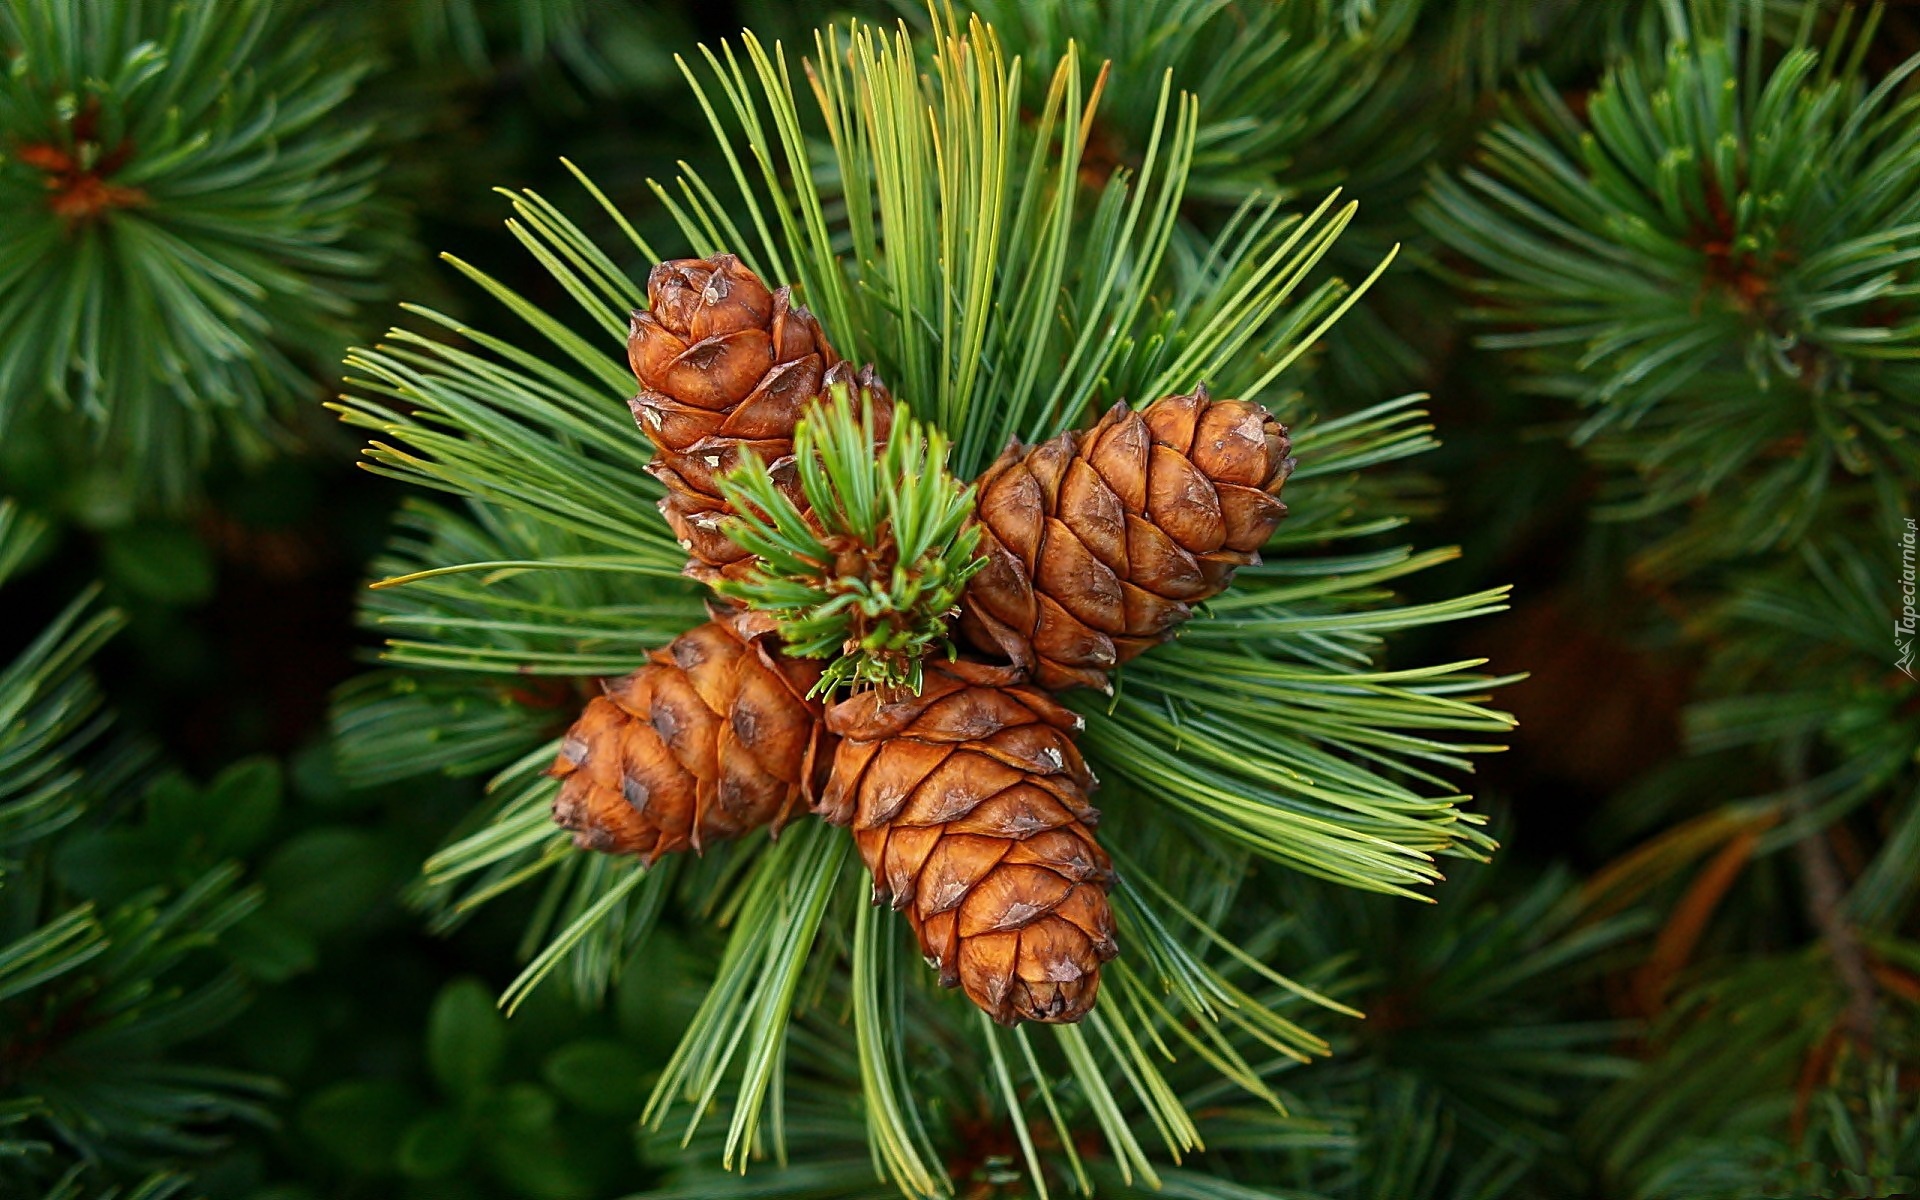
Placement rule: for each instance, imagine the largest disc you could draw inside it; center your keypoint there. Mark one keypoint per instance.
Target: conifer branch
(1008, 300)
(187, 233)
(1826, 904)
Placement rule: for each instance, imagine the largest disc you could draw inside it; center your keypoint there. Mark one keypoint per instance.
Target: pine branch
(49, 706)
(1797, 658)
(1278, 82)
(1444, 1091)
(101, 975)
(1862, 1137)
(1733, 1051)
(962, 250)
(1737, 322)
(606, 47)
(1826, 905)
(186, 235)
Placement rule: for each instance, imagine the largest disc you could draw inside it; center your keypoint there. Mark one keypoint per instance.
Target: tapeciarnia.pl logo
(1903, 625)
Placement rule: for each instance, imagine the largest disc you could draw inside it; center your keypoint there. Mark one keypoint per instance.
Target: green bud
(868, 566)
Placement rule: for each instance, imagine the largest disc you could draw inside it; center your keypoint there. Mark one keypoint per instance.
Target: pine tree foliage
(1020, 1125)
(1299, 98)
(1740, 322)
(164, 1186)
(1688, 235)
(1809, 742)
(1468, 1018)
(529, 27)
(1280, 82)
(1481, 46)
(94, 990)
(1003, 294)
(1798, 716)
(1745, 1059)
(1464, 1092)
(1732, 317)
(181, 249)
(1860, 1136)
(48, 705)
(1798, 658)
(607, 46)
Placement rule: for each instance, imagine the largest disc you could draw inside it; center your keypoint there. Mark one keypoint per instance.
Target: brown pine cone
(724, 364)
(711, 739)
(969, 805)
(1098, 541)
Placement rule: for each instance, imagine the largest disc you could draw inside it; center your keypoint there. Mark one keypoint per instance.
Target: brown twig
(1826, 905)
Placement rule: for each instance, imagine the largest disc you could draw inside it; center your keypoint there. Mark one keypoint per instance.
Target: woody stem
(1826, 907)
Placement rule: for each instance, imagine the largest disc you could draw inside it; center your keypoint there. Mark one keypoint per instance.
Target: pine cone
(725, 364)
(969, 805)
(711, 739)
(1099, 540)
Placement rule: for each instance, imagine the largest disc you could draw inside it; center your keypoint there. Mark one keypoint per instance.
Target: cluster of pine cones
(969, 800)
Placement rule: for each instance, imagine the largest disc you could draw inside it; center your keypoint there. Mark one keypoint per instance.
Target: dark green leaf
(523, 1108)
(360, 1123)
(600, 1076)
(328, 879)
(241, 805)
(269, 948)
(109, 865)
(435, 1145)
(466, 1036)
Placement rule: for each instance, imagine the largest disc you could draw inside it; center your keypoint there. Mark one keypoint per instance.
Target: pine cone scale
(1098, 542)
(718, 373)
(726, 366)
(1095, 516)
(1013, 506)
(1118, 452)
(968, 805)
(1250, 516)
(1175, 573)
(773, 408)
(955, 862)
(1061, 638)
(1075, 578)
(714, 737)
(1181, 501)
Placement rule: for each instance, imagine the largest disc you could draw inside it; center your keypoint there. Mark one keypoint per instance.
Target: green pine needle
(48, 707)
